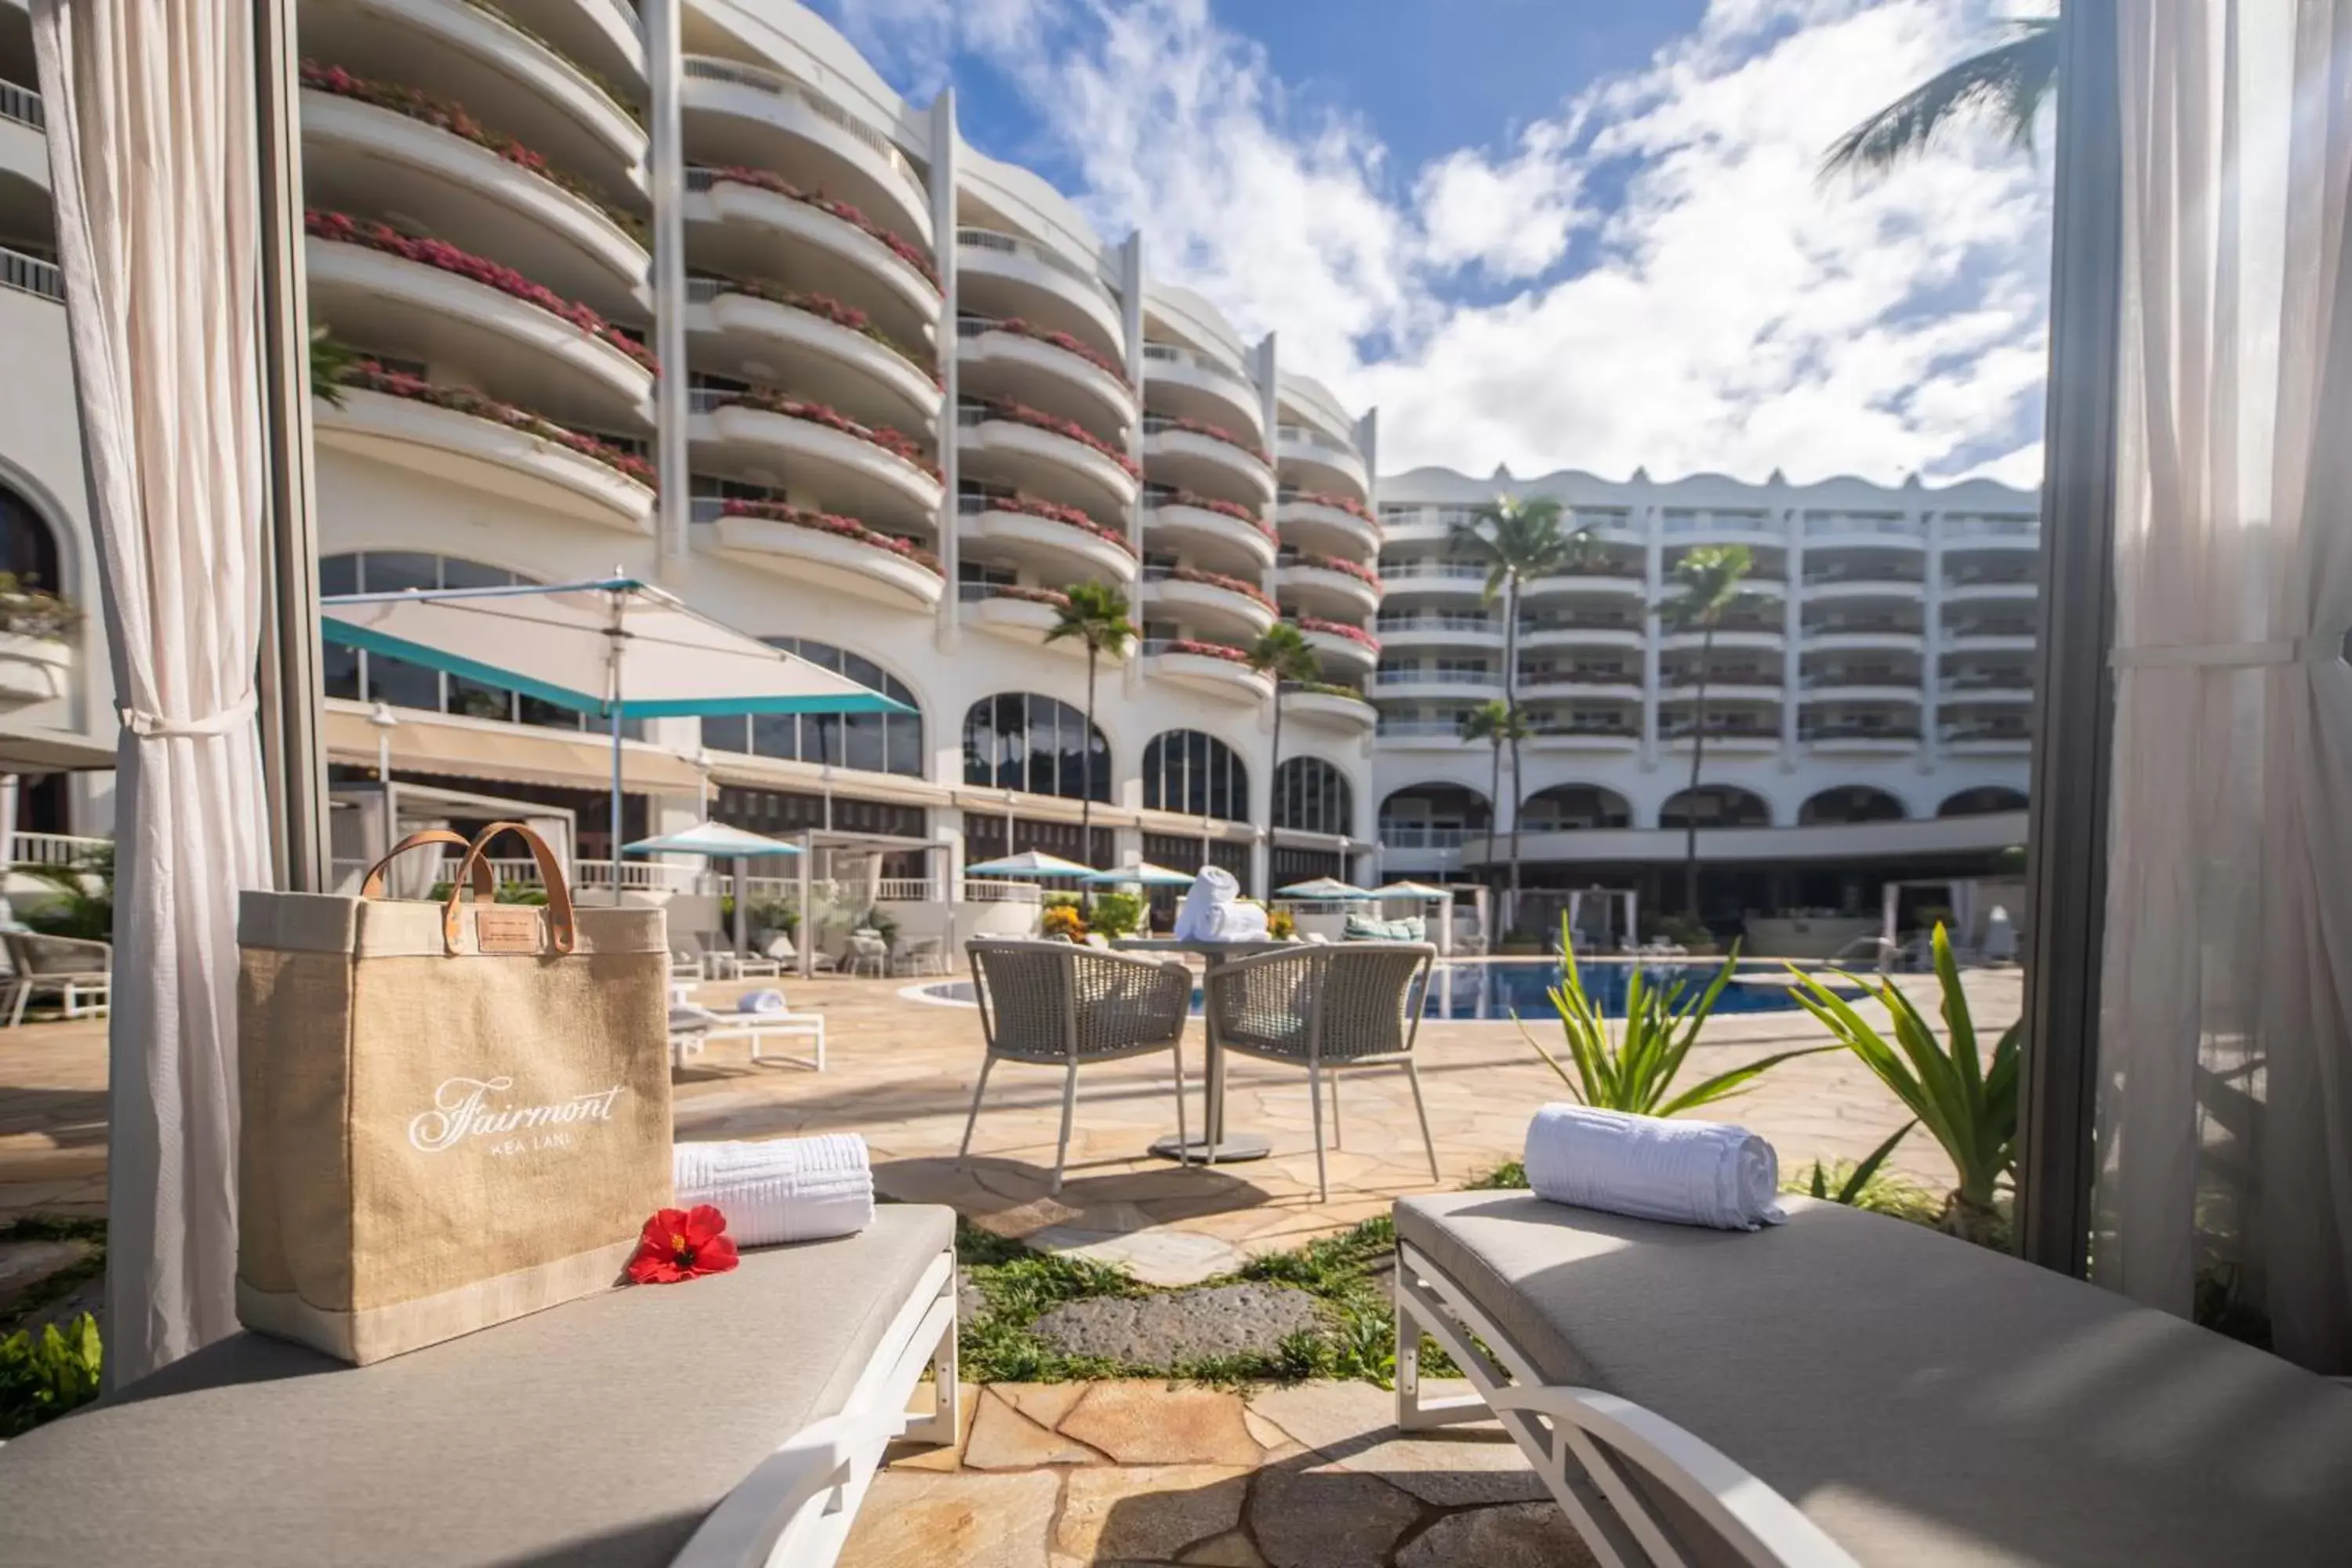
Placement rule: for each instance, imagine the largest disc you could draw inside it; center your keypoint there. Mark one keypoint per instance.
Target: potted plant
(37, 651)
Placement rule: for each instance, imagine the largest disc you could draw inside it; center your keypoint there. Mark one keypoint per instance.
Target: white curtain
(152, 140)
(2226, 1031)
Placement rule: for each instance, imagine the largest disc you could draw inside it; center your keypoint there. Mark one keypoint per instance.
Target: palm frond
(2007, 84)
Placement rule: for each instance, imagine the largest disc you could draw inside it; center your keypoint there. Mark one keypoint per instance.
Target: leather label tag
(507, 928)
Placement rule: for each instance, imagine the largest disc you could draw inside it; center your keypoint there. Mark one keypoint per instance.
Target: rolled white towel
(781, 1189)
(1685, 1172)
(769, 1000)
(1237, 922)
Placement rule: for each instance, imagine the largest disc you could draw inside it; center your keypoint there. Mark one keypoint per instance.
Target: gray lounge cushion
(1924, 1402)
(598, 1433)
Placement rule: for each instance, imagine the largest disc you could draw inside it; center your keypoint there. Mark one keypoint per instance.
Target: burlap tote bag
(453, 1113)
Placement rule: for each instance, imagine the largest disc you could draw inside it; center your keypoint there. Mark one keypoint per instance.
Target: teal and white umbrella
(1029, 863)
(717, 841)
(1144, 875)
(1421, 891)
(1322, 889)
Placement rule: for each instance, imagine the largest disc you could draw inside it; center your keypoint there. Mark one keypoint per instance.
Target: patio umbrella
(716, 840)
(1327, 889)
(1421, 891)
(1029, 863)
(1145, 875)
(617, 648)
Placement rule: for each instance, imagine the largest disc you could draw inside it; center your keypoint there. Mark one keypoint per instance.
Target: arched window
(379, 678)
(1310, 795)
(1849, 803)
(1023, 741)
(1716, 805)
(1433, 816)
(1567, 807)
(28, 550)
(870, 742)
(1198, 775)
(1982, 800)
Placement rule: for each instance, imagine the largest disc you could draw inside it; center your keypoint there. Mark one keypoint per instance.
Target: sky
(1546, 234)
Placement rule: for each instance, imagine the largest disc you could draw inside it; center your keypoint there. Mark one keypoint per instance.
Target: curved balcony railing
(975, 503)
(972, 326)
(1176, 354)
(1308, 436)
(838, 526)
(1166, 424)
(897, 443)
(702, 178)
(31, 275)
(367, 375)
(1838, 525)
(1218, 580)
(1014, 245)
(22, 105)
(776, 84)
(973, 413)
(703, 291)
(2004, 528)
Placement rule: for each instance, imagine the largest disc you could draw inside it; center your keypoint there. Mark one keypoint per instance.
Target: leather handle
(485, 883)
(561, 926)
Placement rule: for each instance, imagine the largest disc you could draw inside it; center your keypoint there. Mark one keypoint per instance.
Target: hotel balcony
(357, 157)
(506, 79)
(1561, 685)
(1976, 588)
(1985, 688)
(472, 333)
(1760, 531)
(1725, 739)
(1541, 637)
(1179, 523)
(1316, 459)
(738, 331)
(739, 224)
(1020, 614)
(1321, 586)
(1862, 583)
(1419, 734)
(833, 469)
(1330, 707)
(1727, 640)
(23, 133)
(1444, 631)
(494, 455)
(1725, 689)
(1000, 359)
(1469, 686)
(1611, 580)
(1996, 736)
(1313, 520)
(1056, 544)
(1873, 534)
(2005, 640)
(1197, 461)
(1413, 576)
(1887, 735)
(1004, 275)
(832, 553)
(1230, 611)
(1561, 735)
(1203, 387)
(1977, 536)
(604, 35)
(736, 113)
(1858, 685)
(1349, 656)
(1213, 669)
(1015, 449)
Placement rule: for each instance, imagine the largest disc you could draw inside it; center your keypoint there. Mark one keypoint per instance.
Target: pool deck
(900, 1072)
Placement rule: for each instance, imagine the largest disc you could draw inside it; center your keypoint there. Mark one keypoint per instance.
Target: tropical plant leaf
(1852, 1192)
(2008, 83)
(1723, 1085)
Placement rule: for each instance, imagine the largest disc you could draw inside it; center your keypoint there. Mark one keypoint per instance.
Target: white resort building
(720, 310)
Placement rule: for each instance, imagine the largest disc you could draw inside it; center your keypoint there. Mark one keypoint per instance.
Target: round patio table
(1213, 1143)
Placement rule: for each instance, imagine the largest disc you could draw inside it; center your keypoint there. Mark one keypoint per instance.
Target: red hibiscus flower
(679, 1243)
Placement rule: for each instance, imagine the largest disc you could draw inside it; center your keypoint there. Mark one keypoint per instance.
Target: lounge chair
(1054, 1003)
(729, 1422)
(1853, 1389)
(867, 949)
(1347, 1004)
(686, 964)
(80, 973)
(693, 1029)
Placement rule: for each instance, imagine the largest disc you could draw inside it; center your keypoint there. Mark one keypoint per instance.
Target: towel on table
(768, 1001)
(782, 1189)
(1685, 1172)
(1237, 922)
(1213, 912)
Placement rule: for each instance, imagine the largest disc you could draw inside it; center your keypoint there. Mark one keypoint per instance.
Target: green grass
(1510, 1174)
(1888, 1192)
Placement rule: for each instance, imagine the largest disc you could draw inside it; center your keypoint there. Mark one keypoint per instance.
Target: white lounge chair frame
(796, 1510)
(1586, 1444)
(754, 1027)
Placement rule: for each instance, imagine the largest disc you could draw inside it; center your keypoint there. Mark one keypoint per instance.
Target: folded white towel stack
(768, 1001)
(783, 1189)
(1685, 1172)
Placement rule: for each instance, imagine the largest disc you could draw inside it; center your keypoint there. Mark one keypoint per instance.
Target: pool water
(1498, 989)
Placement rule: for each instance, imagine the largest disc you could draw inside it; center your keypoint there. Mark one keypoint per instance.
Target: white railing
(1719, 522)
(54, 849)
(1862, 629)
(977, 893)
(1307, 435)
(1819, 524)
(904, 890)
(629, 15)
(1439, 623)
(1954, 638)
(32, 275)
(778, 85)
(1991, 527)
(1014, 245)
(1421, 836)
(643, 875)
(1988, 580)
(1440, 677)
(1868, 578)
(22, 105)
(1428, 571)
(1424, 729)
(1172, 353)
(1848, 680)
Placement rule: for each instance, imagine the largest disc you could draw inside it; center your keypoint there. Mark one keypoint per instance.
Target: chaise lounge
(731, 1422)
(1853, 1389)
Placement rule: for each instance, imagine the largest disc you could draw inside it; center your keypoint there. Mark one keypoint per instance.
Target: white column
(672, 457)
(1654, 581)
(1269, 390)
(1931, 657)
(1792, 658)
(1130, 315)
(944, 150)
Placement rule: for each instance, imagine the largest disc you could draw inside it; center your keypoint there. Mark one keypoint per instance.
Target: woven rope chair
(1324, 1008)
(1056, 1005)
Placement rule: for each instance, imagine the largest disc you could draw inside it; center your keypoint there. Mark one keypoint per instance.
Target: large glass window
(1023, 741)
(1310, 795)
(1198, 775)
(28, 550)
(870, 742)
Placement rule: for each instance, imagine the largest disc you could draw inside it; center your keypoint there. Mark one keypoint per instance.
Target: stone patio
(1054, 1476)
(900, 1072)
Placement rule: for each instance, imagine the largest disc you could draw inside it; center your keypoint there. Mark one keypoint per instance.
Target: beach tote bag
(453, 1113)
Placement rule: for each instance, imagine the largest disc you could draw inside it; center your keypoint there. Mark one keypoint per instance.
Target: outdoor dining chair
(78, 971)
(1347, 1004)
(1053, 1004)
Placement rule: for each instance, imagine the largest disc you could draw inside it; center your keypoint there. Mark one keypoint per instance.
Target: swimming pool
(1495, 990)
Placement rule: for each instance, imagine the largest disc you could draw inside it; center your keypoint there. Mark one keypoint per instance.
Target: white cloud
(1719, 310)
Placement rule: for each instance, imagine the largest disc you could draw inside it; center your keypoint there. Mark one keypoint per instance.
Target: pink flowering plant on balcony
(1213, 432)
(370, 377)
(341, 229)
(1037, 418)
(831, 523)
(423, 106)
(1054, 512)
(897, 443)
(1326, 688)
(762, 179)
(827, 308)
(1232, 508)
(1245, 589)
(1355, 569)
(1225, 651)
(1027, 595)
(1340, 630)
(1347, 504)
(1020, 328)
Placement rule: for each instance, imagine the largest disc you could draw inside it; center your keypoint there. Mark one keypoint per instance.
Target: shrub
(1114, 914)
(26, 611)
(82, 904)
(43, 1378)
(1281, 924)
(1685, 931)
(1062, 922)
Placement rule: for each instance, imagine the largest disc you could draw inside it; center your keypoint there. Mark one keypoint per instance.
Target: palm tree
(331, 361)
(2007, 84)
(1097, 615)
(1516, 538)
(1498, 724)
(1283, 652)
(1709, 577)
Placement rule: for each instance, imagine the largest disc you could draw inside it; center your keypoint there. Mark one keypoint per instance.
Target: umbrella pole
(613, 682)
